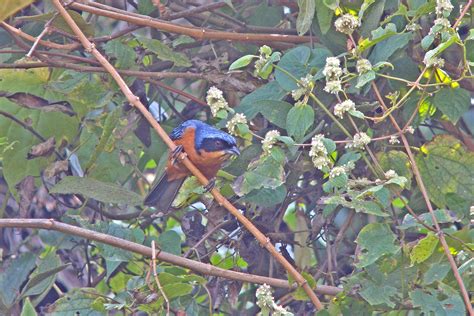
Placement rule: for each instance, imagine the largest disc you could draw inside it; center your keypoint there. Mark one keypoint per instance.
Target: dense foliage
(355, 124)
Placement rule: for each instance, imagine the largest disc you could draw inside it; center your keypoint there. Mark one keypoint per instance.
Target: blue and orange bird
(207, 148)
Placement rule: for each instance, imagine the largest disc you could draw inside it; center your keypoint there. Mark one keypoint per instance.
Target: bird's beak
(233, 151)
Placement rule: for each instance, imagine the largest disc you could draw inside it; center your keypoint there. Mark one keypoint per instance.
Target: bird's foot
(175, 153)
(210, 185)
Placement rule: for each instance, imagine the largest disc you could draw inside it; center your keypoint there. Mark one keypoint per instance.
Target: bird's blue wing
(178, 132)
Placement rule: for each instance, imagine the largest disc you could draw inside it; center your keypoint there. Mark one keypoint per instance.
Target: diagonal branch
(220, 199)
(196, 266)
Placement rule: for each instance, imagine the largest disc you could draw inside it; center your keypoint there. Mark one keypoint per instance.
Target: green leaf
(305, 15)
(10, 7)
(43, 277)
(397, 161)
(269, 92)
(371, 12)
(436, 272)
(145, 7)
(375, 240)
(163, 52)
(97, 190)
(267, 173)
(124, 54)
(452, 102)
(359, 205)
(446, 167)
(177, 289)
(75, 302)
(265, 196)
(170, 241)
(424, 249)
(274, 111)
(386, 48)
(324, 14)
(300, 294)
(442, 216)
(299, 62)
(28, 309)
(376, 294)
(242, 62)
(429, 303)
(365, 78)
(440, 48)
(13, 277)
(299, 120)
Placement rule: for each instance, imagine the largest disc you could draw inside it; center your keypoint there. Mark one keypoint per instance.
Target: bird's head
(214, 142)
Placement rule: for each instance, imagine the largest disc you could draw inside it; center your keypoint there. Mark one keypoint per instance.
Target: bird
(208, 149)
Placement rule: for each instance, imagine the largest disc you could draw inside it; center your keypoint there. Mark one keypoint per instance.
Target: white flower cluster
(347, 23)
(333, 72)
(231, 125)
(270, 139)
(266, 301)
(394, 140)
(319, 153)
(216, 101)
(343, 107)
(337, 171)
(390, 174)
(443, 7)
(305, 86)
(437, 62)
(360, 140)
(363, 66)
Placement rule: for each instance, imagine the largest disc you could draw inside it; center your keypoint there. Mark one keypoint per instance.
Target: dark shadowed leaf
(31, 101)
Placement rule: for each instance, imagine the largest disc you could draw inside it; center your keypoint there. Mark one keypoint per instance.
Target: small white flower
(216, 101)
(394, 140)
(443, 7)
(332, 69)
(363, 66)
(390, 174)
(231, 125)
(333, 86)
(347, 23)
(413, 27)
(270, 140)
(343, 107)
(437, 62)
(337, 171)
(264, 297)
(410, 129)
(360, 140)
(318, 152)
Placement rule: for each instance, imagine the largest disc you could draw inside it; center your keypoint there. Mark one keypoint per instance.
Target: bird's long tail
(163, 193)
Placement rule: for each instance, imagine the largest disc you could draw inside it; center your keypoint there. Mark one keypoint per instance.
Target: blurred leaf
(371, 12)
(397, 161)
(305, 15)
(274, 111)
(377, 294)
(31, 101)
(241, 62)
(163, 52)
(429, 303)
(375, 240)
(97, 190)
(43, 277)
(266, 93)
(387, 47)
(325, 15)
(125, 55)
(61, 24)
(424, 249)
(299, 62)
(452, 102)
(145, 7)
(446, 167)
(266, 197)
(436, 272)
(10, 7)
(268, 173)
(28, 309)
(300, 294)
(442, 216)
(75, 302)
(300, 118)
(302, 250)
(13, 277)
(170, 241)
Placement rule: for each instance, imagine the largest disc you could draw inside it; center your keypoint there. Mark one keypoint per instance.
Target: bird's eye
(219, 143)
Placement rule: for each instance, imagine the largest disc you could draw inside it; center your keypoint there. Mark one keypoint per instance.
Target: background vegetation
(355, 124)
